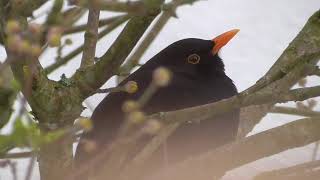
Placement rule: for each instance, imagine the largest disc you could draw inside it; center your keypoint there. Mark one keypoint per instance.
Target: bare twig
(316, 72)
(149, 92)
(273, 141)
(315, 151)
(285, 173)
(109, 90)
(91, 37)
(30, 167)
(292, 61)
(78, 50)
(108, 64)
(134, 59)
(102, 22)
(131, 7)
(294, 111)
(289, 60)
(17, 155)
(209, 110)
(205, 112)
(12, 166)
(135, 168)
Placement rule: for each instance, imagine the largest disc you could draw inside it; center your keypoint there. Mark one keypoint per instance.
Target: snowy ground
(266, 29)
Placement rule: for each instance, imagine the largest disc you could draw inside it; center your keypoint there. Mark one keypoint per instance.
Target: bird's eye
(194, 59)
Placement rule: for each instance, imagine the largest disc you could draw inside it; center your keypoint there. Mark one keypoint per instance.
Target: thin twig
(294, 111)
(316, 72)
(109, 90)
(258, 146)
(134, 59)
(17, 155)
(315, 151)
(178, 117)
(287, 61)
(78, 50)
(108, 64)
(12, 166)
(91, 37)
(30, 167)
(285, 172)
(146, 96)
(134, 168)
(131, 7)
(102, 22)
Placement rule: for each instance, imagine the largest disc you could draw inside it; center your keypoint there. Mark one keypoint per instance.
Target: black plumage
(192, 84)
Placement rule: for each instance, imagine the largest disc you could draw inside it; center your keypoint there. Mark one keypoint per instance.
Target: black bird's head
(195, 56)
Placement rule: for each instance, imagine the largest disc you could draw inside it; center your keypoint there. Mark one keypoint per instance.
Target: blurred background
(266, 28)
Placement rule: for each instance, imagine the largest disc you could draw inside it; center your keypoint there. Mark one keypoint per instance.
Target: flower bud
(24, 47)
(85, 123)
(300, 105)
(130, 106)
(302, 82)
(13, 42)
(68, 41)
(131, 87)
(312, 103)
(54, 36)
(36, 50)
(161, 76)
(26, 70)
(89, 145)
(152, 127)
(35, 29)
(136, 117)
(13, 26)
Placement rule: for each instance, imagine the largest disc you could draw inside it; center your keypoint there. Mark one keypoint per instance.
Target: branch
(208, 111)
(249, 117)
(316, 72)
(303, 48)
(12, 166)
(227, 157)
(7, 95)
(294, 111)
(30, 167)
(285, 173)
(130, 7)
(301, 52)
(26, 7)
(91, 37)
(315, 151)
(168, 12)
(102, 22)
(92, 77)
(17, 155)
(78, 50)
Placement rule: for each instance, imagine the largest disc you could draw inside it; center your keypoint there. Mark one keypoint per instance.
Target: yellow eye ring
(193, 59)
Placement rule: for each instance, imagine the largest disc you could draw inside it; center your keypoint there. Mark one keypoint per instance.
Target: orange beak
(223, 39)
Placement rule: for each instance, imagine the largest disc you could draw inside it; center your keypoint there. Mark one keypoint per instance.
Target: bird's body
(192, 84)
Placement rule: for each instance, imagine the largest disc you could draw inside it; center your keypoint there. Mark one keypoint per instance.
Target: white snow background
(266, 28)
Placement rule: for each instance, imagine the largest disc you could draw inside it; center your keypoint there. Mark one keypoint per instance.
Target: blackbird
(198, 77)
